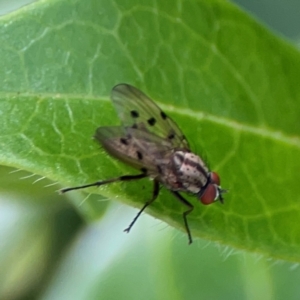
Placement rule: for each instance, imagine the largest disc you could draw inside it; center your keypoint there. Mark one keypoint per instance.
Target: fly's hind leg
(154, 196)
(191, 207)
(98, 183)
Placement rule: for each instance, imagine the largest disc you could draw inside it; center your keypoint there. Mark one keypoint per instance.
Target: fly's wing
(138, 111)
(140, 149)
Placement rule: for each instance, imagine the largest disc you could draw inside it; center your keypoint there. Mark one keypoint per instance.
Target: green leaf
(231, 85)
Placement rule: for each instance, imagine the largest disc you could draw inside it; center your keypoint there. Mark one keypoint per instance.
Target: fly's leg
(98, 183)
(154, 196)
(191, 207)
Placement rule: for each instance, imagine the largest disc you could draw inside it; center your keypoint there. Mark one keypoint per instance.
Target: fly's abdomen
(191, 171)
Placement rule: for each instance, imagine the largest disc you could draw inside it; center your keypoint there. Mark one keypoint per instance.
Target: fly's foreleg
(185, 214)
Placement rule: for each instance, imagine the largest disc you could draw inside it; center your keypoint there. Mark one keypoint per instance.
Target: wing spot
(171, 136)
(139, 155)
(151, 121)
(163, 115)
(134, 114)
(144, 170)
(123, 141)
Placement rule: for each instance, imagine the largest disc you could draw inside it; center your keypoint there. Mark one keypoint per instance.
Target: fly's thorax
(190, 170)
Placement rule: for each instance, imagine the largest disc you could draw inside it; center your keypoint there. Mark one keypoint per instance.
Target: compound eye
(210, 194)
(214, 178)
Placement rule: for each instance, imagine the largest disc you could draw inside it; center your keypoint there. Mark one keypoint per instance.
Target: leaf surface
(232, 86)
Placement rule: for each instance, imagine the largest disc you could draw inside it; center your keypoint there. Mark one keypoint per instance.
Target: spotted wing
(138, 111)
(142, 150)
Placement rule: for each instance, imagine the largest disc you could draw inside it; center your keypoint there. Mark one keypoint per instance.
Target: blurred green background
(48, 252)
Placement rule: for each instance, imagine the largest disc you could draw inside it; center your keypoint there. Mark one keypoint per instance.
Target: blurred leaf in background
(280, 16)
(231, 85)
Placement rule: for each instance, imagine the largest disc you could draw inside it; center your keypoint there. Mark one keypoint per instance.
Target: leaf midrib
(264, 132)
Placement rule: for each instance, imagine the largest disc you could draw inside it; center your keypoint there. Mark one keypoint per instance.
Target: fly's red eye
(214, 177)
(209, 194)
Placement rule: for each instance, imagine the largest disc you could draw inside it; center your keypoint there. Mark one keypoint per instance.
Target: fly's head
(212, 191)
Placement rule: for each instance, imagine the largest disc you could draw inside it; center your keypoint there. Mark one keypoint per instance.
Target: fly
(152, 143)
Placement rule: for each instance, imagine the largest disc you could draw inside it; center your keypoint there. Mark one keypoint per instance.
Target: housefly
(151, 142)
